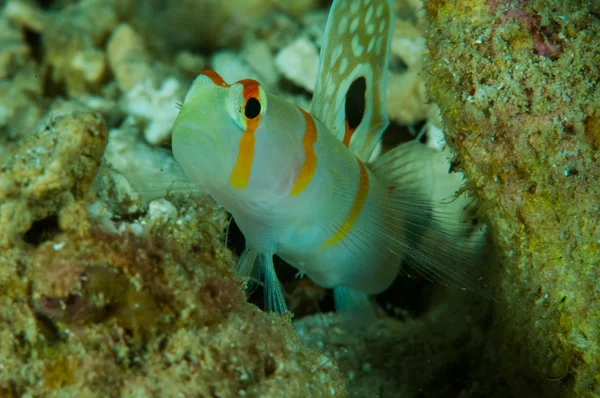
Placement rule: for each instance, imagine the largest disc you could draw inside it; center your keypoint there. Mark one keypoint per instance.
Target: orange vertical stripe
(241, 171)
(310, 158)
(347, 134)
(359, 202)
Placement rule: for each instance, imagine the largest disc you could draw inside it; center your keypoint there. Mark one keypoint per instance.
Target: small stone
(190, 63)
(13, 49)
(25, 14)
(231, 67)
(128, 57)
(298, 62)
(155, 105)
(161, 209)
(406, 92)
(91, 64)
(74, 44)
(259, 57)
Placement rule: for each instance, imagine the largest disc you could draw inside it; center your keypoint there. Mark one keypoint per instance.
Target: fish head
(225, 134)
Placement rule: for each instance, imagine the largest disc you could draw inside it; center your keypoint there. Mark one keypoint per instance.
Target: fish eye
(252, 108)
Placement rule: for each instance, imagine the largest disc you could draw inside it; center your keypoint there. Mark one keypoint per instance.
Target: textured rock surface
(92, 305)
(517, 83)
(106, 290)
(442, 353)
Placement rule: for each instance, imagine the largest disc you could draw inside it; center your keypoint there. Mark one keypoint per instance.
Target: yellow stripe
(310, 159)
(241, 172)
(359, 201)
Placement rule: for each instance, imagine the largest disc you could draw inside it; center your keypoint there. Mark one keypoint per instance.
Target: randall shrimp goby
(299, 183)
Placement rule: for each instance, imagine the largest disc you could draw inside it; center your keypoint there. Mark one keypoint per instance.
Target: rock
(298, 62)
(258, 56)
(190, 63)
(49, 171)
(14, 52)
(73, 44)
(149, 306)
(128, 58)
(25, 14)
(499, 73)
(161, 209)
(158, 106)
(407, 101)
(232, 67)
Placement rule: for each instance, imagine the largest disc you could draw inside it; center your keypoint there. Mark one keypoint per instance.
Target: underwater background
(110, 287)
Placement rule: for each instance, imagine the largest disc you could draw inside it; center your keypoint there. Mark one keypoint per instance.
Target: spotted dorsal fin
(349, 95)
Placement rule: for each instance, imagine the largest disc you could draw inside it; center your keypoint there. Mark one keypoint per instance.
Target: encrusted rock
(49, 171)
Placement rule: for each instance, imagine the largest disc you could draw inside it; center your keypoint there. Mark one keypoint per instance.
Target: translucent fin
(440, 239)
(247, 267)
(423, 171)
(164, 182)
(351, 302)
(253, 265)
(274, 294)
(411, 224)
(350, 91)
(157, 176)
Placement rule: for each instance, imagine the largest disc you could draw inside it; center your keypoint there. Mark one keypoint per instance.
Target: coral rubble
(518, 86)
(97, 306)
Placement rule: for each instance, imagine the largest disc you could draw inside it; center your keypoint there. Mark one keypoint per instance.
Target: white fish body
(298, 184)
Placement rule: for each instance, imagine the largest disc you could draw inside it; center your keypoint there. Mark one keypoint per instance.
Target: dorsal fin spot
(355, 102)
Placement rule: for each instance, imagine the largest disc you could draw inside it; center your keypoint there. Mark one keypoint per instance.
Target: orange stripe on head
(359, 202)
(215, 77)
(241, 172)
(310, 158)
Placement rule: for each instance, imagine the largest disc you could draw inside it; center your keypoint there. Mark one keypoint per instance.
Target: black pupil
(252, 108)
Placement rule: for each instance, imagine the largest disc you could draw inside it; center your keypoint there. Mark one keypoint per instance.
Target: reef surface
(518, 86)
(111, 285)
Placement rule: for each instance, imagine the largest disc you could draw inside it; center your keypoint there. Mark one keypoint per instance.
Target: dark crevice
(34, 41)
(47, 328)
(53, 88)
(406, 296)
(270, 366)
(235, 238)
(290, 87)
(42, 230)
(45, 4)
(396, 134)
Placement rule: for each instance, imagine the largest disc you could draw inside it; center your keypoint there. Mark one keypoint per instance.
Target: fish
(303, 185)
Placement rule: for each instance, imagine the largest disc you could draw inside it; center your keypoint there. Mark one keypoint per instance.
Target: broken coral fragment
(298, 63)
